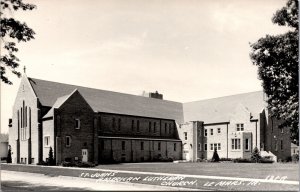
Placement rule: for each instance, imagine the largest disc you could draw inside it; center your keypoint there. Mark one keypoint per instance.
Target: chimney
(156, 95)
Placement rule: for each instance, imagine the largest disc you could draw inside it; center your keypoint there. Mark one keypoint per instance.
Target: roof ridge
(102, 90)
(220, 97)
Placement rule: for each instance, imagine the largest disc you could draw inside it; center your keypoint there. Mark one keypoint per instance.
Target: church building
(93, 125)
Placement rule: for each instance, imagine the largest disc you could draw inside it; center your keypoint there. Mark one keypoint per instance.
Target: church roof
(52, 93)
(220, 109)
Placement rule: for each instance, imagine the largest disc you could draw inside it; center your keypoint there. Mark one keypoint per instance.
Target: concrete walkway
(10, 181)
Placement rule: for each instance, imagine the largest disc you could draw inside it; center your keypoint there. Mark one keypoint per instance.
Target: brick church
(93, 125)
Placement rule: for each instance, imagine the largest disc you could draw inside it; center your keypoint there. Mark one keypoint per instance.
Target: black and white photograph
(149, 95)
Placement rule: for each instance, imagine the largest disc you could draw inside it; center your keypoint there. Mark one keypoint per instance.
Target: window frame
(48, 141)
(70, 141)
(211, 131)
(77, 123)
(205, 132)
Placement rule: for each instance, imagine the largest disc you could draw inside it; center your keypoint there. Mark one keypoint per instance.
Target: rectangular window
(142, 145)
(205, 146)
(119, 124)
(77, 123)
(219, 130)
(211, 131)
(199, 147)
(185, 135)
(205, 132)
(219, 146)
(211, 146)
(138, 126)
(247, 145)
(154, 126)
(281, 144)
(132, 125)
(149, 126)
(240, 127)
(123, 145)
(47, 141)
(170, 128)
(174, 146)
(158, 146)
(235, 144)
(113, 123)
(215, 146)
(68, 141)
(166, 128)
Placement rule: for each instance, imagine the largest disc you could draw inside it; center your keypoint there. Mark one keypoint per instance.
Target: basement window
(68, 141)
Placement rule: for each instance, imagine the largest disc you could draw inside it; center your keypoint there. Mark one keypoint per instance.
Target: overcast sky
(187, 50)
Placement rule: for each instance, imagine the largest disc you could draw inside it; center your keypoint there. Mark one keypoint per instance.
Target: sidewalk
(36, 181)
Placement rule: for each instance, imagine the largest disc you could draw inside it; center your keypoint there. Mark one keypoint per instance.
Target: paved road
(22, 181)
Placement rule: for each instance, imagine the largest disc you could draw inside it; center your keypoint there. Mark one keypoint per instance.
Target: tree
(50, 157)
(255, 156)
(215, 157)
(8, 159)
(277, 59)
(12, 32)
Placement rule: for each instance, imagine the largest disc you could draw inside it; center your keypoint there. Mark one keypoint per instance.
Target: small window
(132, 125)
(199, 147)
(205, 146)
(166, 128)
(77, 123)
(158, 146)
(113, 123)
(281, 144)
(22, 160)
(219, 146)
(149, 126)
(240, 127)
(119, 124)
(154, 127)
(185, 135)
(142, 145)
(211, 131)
(205, 132)
(219, 130)
(174, 146)
(68, 141)
(211, 146)
(47, 141)
(123, 145)
(138, 126)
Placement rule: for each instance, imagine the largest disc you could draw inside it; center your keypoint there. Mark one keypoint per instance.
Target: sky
(187, 50)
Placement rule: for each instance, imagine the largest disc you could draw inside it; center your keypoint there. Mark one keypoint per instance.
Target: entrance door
(84, 153)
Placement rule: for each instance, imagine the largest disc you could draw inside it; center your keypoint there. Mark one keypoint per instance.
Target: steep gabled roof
(107, 101)
(219, 109)
(59, 101)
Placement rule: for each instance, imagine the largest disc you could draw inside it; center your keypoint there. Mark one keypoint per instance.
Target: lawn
(248, 170)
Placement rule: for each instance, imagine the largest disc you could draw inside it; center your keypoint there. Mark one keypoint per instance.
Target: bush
(264, 160)
(77, 164)
(215, 157)
(8, 159)
(50, 160)
(295, 157)
(240, 160)
(255, 156)
(42, 163)
(225, 159)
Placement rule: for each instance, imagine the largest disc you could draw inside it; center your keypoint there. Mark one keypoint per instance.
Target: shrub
(42, 163)
(67, 164)
(240, 160)
(215, 157)
(295, 157)
(264, 160)
(8, 159)
(50, 160)
(84, 164)
(225, 159)
(255, 156)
